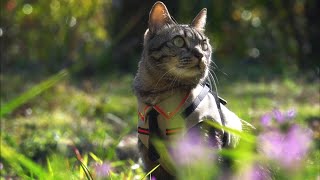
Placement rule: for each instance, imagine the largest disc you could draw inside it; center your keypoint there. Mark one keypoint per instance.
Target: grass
(42, 124)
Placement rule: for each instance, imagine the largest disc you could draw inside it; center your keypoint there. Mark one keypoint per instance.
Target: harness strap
(219, 107)
(154, 131)
(223, 120)
(206, 89)
(196, 102)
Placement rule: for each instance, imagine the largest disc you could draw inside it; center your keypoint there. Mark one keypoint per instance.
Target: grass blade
(150, 172)
(17, 160)
(31, 93)
(95, 158)
(49, 167)
(248, 137)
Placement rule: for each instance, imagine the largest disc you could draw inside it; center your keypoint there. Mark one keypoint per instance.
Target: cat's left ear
(199, 22)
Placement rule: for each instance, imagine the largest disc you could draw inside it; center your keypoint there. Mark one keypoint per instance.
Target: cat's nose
(197, 54)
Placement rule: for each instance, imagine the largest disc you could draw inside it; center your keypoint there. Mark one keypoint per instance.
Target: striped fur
(175, 59)
(164, 66)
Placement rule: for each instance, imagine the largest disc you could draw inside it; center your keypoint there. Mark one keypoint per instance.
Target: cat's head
(180, 52)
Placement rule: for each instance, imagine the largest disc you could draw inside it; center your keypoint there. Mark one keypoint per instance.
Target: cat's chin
(191, 73)
(192, 78)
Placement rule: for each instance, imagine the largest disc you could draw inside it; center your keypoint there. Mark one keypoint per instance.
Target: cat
(170, 86)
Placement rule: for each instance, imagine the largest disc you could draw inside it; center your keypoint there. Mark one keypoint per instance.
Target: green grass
(43, 123)
(251, 100)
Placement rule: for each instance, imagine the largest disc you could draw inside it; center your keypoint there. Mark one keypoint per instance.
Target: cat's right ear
(159, 16)
(199, 22)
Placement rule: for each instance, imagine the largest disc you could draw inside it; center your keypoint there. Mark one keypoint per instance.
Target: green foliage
(53, 33)
(258, 37)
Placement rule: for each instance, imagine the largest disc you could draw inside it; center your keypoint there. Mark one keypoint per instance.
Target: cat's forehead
(183, 30)
(190, 32)
(170, 32)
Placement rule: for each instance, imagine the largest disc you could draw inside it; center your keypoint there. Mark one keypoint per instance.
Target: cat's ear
(159, 16)
(199, 22)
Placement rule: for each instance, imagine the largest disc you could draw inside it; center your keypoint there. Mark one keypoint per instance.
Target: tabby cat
(171, 89)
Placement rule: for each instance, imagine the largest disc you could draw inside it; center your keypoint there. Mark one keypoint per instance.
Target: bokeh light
(254, 52)
(27, 9)
(55, 5)
(256, 22)
(246, 15)
(73, 21)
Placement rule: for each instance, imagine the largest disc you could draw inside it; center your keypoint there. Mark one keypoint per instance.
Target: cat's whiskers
(216, 67)
(211, 78)
(214, 74)
(212, 68)
(156, 85)
(172, 84)
(213, 63)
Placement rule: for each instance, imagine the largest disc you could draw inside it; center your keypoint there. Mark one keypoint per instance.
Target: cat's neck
(151, 88)
(152, 98)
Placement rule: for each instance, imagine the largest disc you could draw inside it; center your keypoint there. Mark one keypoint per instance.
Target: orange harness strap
(162, 112)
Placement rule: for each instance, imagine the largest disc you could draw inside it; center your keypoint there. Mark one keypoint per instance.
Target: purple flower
(190, 150)
(287, 149)
(291, 114)
(297, 143)
(255, 172)
(279, 116)
(102, 170)
(266, 119)
(271, 144)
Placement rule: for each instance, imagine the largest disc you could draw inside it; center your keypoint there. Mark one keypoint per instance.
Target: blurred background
(67, 68)
(260, 38)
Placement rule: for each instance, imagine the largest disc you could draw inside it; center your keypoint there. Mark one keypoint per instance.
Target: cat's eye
(204, 45)
(178, 41)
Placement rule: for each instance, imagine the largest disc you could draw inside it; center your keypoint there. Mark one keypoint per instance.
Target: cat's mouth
(187, 69)
(190, 63)
(192, 69)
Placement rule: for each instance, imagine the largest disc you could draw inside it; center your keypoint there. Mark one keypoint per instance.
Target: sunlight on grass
(19, 162)
(60, 115)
